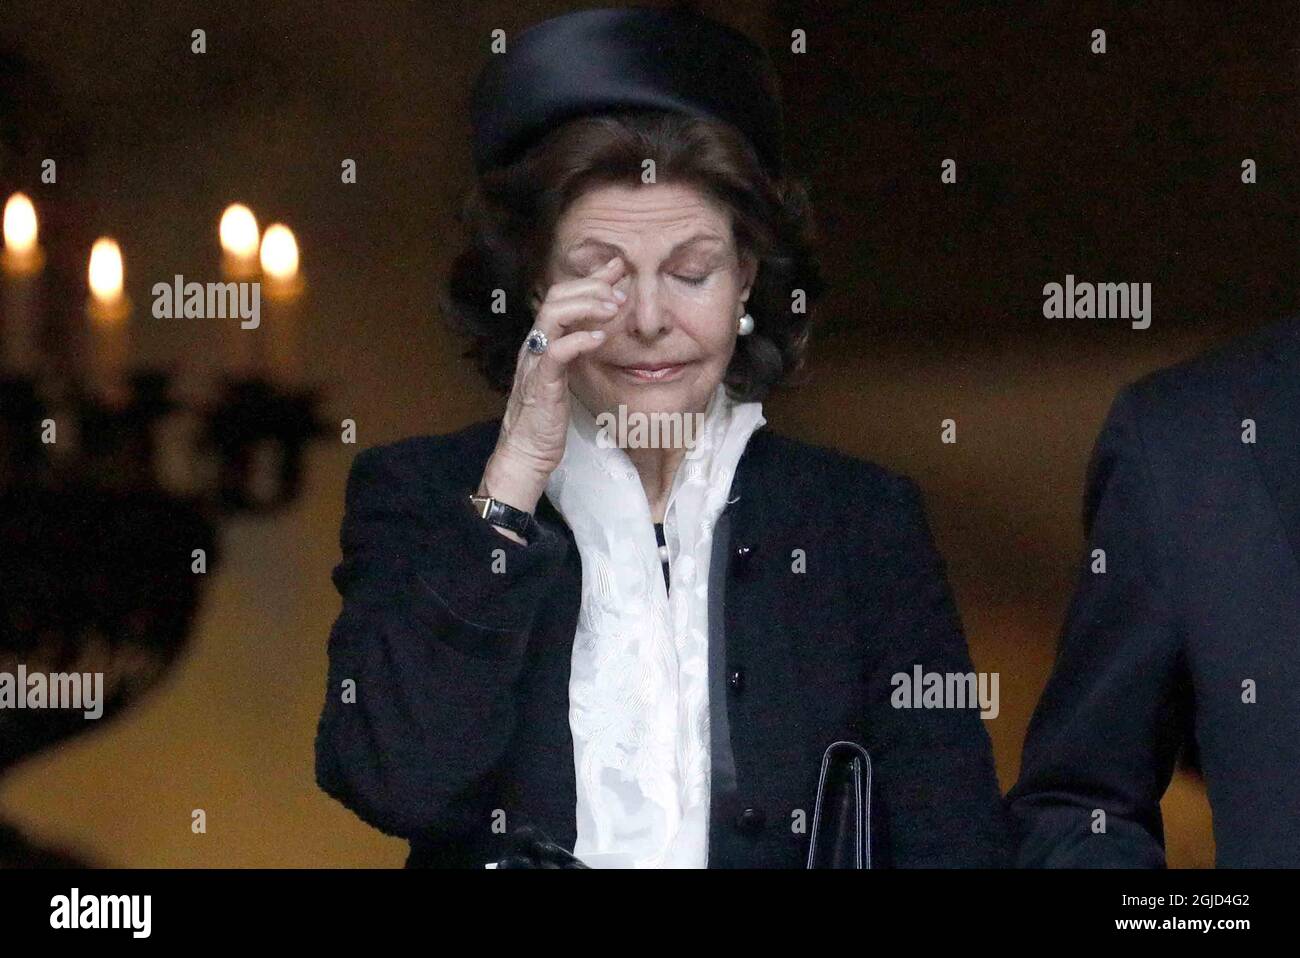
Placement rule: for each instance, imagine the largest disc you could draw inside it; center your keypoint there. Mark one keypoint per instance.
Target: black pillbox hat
(598, 61)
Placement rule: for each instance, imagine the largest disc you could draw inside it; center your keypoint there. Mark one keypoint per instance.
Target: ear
(748, 271)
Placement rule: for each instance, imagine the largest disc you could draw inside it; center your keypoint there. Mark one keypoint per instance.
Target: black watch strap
(506, 516)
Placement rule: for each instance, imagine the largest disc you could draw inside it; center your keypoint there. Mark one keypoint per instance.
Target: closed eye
(692, 280)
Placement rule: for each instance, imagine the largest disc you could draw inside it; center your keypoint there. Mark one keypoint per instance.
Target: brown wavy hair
(511, 214)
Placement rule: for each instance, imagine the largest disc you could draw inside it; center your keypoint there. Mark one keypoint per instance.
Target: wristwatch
(506, 516)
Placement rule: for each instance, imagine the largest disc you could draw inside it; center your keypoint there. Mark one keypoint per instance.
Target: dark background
(1123, 167)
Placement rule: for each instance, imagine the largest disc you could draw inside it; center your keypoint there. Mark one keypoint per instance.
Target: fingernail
(598, 334)
(611, 262)
(620, 295)
(609, 307)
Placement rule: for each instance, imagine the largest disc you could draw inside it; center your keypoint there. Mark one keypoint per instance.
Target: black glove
(531, 848)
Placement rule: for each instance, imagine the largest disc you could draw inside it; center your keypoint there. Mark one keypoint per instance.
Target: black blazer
(459, 729)
(1201, 594)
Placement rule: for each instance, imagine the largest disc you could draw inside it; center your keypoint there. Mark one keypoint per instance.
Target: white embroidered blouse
(638, 690)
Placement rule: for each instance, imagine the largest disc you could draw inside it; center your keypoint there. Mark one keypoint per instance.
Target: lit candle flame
(279, 253)
(239, 231)
(105, 270)
(20, 226)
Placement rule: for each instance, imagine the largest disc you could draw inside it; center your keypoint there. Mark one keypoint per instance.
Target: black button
(736, 679)
(742, 559)
(751, 821)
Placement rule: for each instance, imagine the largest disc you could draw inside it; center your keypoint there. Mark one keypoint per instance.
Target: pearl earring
(745, 325)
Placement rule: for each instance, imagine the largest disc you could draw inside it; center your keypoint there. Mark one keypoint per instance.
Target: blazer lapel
(732, 529)
(739, 631)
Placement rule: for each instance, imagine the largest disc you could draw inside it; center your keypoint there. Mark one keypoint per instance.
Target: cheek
(710, 322)
(580, 370)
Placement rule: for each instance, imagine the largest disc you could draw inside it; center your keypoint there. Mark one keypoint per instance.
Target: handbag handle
(844, 805)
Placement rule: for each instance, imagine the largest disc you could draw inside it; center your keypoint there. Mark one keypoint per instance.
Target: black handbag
(841, 825)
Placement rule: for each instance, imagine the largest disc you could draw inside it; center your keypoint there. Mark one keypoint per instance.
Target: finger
(553, 364)
(600, 281)
(587, 286)
(615, 267)
(612, 272)
(557, 318)
(554, 338)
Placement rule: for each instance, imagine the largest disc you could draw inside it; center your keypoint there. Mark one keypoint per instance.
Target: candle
(239, 264)
(108, 309)
(282, 287)
(21, 263)
(238, 232)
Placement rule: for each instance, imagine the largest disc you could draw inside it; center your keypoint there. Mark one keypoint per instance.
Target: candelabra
(103, 551)
(99, 560)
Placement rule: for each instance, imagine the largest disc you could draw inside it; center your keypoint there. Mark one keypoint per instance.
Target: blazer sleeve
(419, 707)
(938, 803)
(1106, 732)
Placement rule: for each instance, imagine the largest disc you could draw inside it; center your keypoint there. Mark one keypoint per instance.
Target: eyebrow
(601, 244)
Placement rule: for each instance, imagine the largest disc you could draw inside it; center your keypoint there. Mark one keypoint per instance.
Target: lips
(653, 372)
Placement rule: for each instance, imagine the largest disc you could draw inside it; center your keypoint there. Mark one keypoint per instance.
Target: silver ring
(536, 341)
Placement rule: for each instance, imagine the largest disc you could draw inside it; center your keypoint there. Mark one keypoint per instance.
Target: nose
(647, 317)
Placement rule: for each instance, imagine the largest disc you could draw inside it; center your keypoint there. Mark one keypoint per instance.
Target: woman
(639, 650)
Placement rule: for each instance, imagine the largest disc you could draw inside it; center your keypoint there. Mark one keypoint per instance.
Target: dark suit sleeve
(937, 799)
(433, 639)
(1106, 732)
